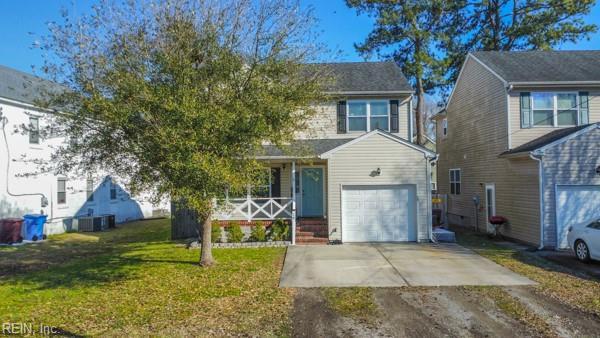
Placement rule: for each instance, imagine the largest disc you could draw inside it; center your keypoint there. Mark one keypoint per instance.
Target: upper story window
(61, 191)
(34, 130)
(89, 189)
(455, 178)
(113, 190)
(368, 115)
(553, 109)
(445, 127)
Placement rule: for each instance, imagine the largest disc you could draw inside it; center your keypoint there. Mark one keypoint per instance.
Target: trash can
(33, 227)
(10, 230)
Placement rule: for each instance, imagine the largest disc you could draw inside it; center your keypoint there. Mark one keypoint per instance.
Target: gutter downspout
(538, 157)
(430, 161)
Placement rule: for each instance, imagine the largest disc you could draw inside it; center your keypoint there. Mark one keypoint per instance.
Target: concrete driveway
(391, 265)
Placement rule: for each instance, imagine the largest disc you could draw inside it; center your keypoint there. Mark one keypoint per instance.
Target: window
(34, 130)
(554, 109)
(113, 190)
(368, 115)
(61, 191)
(455, 181)
(444, 127)
(89, 189)
(264, 188)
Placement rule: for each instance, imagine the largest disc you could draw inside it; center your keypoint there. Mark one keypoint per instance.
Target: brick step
(309, 240)
(312, 228)
(312, 222)
(304, 234)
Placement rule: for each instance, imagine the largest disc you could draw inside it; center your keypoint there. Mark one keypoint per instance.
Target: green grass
(357, 303)
(135, 281)
(562, 284)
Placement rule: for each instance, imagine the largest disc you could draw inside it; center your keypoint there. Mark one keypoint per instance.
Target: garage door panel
(575, 205)
(374, 213)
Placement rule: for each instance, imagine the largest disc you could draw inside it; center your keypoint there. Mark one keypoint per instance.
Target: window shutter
(394, 118)
(525, 110)
(341, 117)
(584, 108)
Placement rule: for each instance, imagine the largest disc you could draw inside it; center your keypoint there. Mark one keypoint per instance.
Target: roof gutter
(537, 156)
(554, 83)
(371, 92)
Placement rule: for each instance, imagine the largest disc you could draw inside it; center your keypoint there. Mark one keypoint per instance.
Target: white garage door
(575, 204)
(379, 213)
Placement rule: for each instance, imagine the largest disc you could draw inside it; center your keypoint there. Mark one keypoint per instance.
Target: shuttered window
(550, 109)
(368, 115)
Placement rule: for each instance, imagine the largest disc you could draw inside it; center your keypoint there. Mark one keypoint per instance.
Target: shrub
(258, 233)
(279, 231)
(216, 231)
(234, 233)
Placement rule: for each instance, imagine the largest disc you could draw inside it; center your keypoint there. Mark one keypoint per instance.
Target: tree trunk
(419, 111)
(206, 258)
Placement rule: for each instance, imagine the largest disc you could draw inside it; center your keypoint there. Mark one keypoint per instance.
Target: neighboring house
(520, 134)
(24, 190)
(352, 175)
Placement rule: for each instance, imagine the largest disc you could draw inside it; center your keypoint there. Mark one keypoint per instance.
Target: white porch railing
(254, 208)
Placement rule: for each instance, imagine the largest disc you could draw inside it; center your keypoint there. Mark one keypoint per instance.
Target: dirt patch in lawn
(444, 311)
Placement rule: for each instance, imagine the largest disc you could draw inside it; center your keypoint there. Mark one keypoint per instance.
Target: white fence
(254, 208)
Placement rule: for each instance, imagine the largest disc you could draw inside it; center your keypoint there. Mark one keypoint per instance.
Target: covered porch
(296, 191)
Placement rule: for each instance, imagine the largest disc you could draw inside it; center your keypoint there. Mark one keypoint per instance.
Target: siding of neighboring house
(520, 136)
(324, 123)
(477, 134)
(399, 164)
(571, 162)
(24, 178)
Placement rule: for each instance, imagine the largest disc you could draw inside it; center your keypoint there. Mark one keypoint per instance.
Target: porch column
(293, 202)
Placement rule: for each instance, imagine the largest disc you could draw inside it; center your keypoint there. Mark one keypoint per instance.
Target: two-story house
(352, 175)
(25, 189)
(520, 138)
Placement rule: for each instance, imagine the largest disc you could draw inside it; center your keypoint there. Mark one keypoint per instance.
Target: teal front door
(312, 192)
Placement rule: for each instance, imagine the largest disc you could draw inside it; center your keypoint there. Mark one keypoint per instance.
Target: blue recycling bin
(33, 227)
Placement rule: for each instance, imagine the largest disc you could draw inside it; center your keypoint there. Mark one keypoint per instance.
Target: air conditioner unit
(92, 223)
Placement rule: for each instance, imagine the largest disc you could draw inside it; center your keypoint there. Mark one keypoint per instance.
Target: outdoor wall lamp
(376, 172)
(598, 170)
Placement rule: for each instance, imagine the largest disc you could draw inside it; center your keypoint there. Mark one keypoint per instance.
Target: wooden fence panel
(184, 222)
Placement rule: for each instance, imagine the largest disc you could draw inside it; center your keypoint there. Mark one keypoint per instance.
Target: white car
(584, 239)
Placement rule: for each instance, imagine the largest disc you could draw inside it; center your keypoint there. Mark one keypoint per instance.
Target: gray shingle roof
(23, 87)
(304, 148)
(543, 66)
(350, 77)
(545, 140)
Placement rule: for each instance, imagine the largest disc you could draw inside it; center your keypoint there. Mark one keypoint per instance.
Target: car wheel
(581, 251)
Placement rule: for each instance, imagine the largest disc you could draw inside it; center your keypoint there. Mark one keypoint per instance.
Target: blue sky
(340, 28)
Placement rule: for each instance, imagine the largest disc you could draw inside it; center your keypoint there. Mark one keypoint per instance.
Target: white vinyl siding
(399, 165)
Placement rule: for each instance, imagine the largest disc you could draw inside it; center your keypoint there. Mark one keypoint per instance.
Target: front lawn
(135, 281)
(569, 286)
